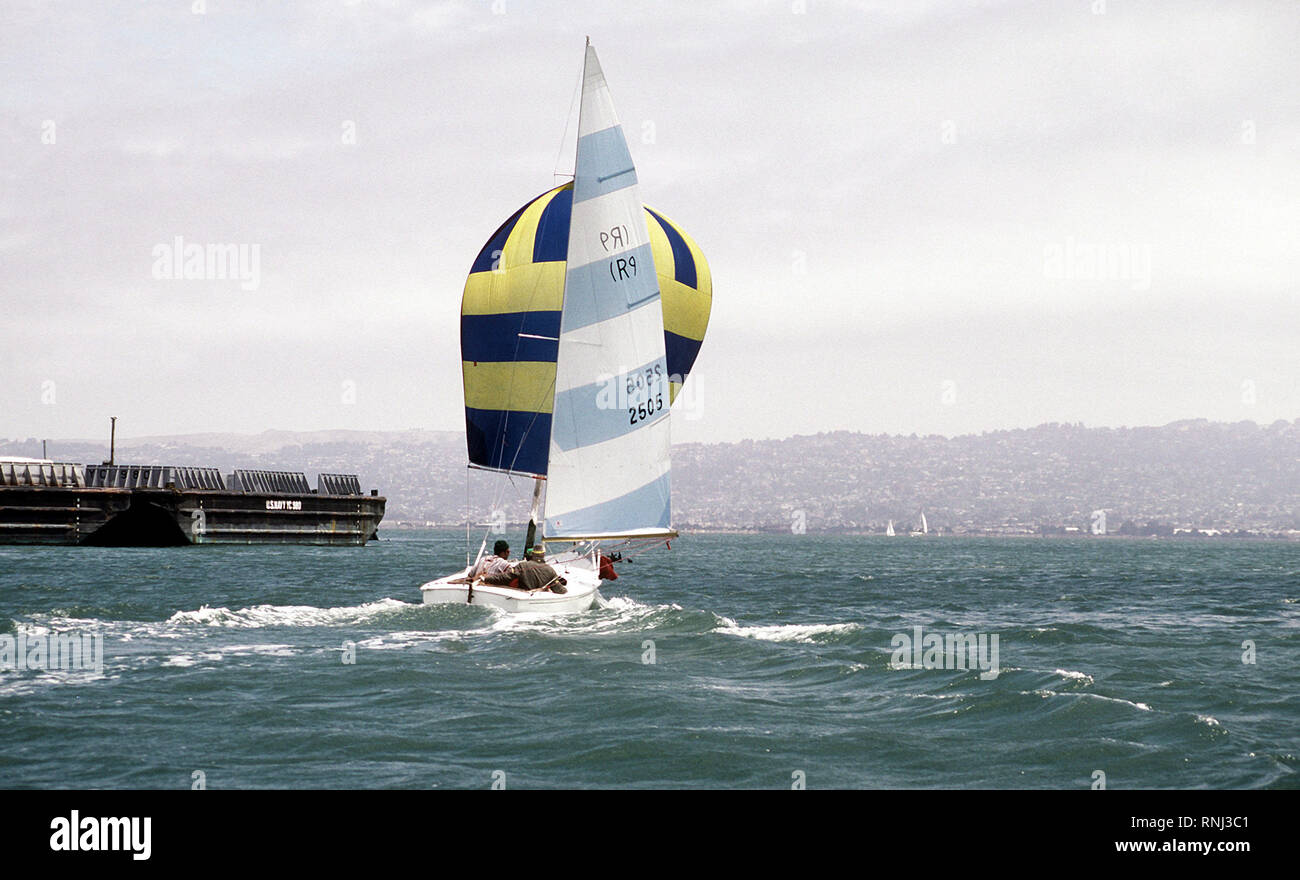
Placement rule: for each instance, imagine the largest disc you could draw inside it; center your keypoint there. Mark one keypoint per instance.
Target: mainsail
(608, 471)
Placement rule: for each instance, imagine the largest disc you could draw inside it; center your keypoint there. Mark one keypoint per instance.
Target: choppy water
(772, 663)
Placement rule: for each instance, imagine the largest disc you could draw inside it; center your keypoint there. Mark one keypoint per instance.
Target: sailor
(498, 562)
(531, 575)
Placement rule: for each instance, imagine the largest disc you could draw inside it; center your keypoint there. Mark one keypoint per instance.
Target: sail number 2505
(648, 380)
(643, 411)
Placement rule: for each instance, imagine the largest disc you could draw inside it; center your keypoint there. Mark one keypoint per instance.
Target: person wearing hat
(531, 574)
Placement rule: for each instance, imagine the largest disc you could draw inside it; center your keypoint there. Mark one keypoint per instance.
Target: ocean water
(726, 662)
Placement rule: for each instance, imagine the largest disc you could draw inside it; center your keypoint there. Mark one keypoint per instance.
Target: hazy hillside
(1192, 474)
(1189, 474)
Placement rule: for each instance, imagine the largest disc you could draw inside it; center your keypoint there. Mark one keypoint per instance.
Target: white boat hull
(581, 592)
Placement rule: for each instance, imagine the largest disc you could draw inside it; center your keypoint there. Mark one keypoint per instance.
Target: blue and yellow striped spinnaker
(510, 320)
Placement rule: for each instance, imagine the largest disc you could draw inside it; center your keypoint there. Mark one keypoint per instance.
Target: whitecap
(617, 614)
(264, 650)
(1072, 674)
(18, 684)
(1143, 706)
(185, 660)
(259, 616)
(790, 632)
(407, 638)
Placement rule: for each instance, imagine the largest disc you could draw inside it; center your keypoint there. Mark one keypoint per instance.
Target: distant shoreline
(778, 533)
(1241, 479)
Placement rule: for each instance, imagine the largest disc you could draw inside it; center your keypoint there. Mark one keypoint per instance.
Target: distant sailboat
(924, 530)
(566, 295)
(889, 529)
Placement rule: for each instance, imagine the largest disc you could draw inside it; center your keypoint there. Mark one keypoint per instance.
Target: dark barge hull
(156, 517)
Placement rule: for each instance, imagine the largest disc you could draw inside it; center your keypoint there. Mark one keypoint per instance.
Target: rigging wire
(576, 91)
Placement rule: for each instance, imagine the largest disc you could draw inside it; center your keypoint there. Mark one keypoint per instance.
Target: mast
(532, 517)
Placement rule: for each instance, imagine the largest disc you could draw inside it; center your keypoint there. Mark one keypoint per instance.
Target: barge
(50, 502)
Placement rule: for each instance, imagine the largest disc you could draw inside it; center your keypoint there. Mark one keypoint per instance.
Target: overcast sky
(901, 204)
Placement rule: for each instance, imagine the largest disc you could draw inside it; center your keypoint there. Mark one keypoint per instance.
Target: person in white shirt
(498, 562)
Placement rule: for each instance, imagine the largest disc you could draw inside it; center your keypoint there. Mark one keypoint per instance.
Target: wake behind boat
(577, 285)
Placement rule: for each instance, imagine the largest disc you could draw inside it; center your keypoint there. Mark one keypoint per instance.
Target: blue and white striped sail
(608, 472)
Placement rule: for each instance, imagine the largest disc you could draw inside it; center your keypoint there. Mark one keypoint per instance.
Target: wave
(410, 623)
(807, 633)
(1143, 706)
(1074, 675)
(186, 660)
(1046, 693)
(259, 616)
(14, 684)
(192, 659)
(182, 623)
(612, 615)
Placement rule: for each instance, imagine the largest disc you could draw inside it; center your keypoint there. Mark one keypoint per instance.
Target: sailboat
(925, 528)
(889, 529)
(581, 319)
